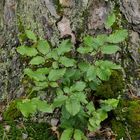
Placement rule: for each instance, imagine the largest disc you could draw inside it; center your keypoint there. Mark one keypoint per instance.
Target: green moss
(139, 50)
(12, 134)
(39, 131)
(34, 131)
(119, 129)
(11, 111)
(21, 27)
(58, 6)
(129, 111)
(112, 88)
(134, 113)
(128, 114)
(1, 131)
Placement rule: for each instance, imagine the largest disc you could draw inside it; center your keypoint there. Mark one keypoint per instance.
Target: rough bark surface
(131, 11)
(39, 16)
(43, 17)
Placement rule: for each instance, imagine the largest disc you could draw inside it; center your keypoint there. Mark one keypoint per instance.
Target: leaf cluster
(71, 78)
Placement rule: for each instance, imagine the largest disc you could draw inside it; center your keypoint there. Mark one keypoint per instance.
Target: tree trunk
(43, 17)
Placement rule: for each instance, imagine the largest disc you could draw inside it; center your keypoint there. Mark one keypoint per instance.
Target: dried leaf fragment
(65, 29)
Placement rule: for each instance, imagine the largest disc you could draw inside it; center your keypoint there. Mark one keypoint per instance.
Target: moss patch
(119, 129)
(128, 123)
(11, 111)
(112, 88)
(33, 131)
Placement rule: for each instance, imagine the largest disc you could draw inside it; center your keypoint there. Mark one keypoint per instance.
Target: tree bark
(83, 16)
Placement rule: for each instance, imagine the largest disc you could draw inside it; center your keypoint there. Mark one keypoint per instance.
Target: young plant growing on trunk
(71, 78)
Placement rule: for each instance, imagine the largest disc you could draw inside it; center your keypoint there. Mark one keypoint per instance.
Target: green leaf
(98, 117)
(110, 20)
(84, 50)
(31, 35)
(42, 106)
(83, 66)
(56, 74)
(69, 72)
(103, 74)
(64, 47)
(77, 74)
(43, 71)
(37, 60)
(73, 106)
(78, 86)
(41, 84)
(94, 124)
(27, 51)
(78, 134)
(26, 107)
(67, 62)
(54, 84)
(66, 90)
(37, 88)
(53, 54)
(55, 65)
(118, 36)
(110, 49)
(34, 75)
(67, 134)
(91, 73)
(59, 91)
(95, 83)
(80, 96)
(102, 113)
(59, 100)
(111, 65)
(89, 42)
(107, 64)
(90, 107)
(100, 39)
(109, 104)
(43, 46)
